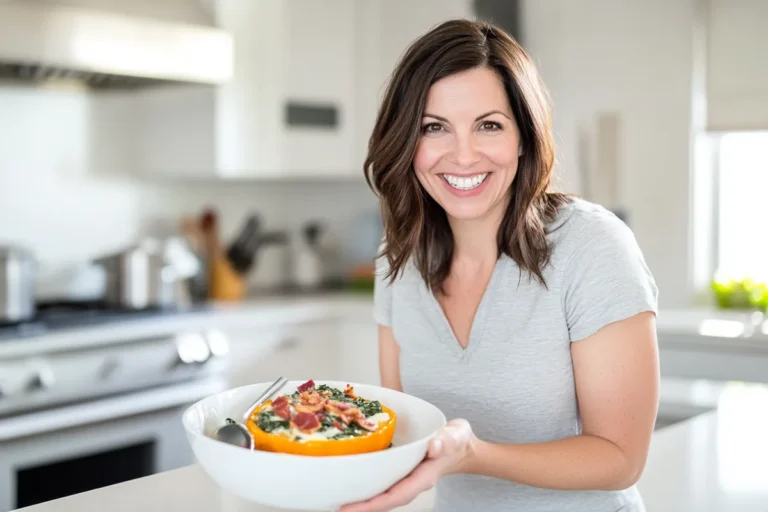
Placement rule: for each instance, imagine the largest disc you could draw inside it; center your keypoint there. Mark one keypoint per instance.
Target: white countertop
(716, 462)
(250, 313)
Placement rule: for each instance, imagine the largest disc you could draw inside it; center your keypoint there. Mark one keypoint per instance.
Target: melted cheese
(379, 418)
(317, 436)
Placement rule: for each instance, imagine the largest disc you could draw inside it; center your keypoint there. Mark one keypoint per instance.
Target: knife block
(225, 283)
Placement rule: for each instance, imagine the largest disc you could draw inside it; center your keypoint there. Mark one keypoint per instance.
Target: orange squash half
(371, 442)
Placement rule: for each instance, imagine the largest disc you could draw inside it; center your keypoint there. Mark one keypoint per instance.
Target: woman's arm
(389, 359)
(617, 380)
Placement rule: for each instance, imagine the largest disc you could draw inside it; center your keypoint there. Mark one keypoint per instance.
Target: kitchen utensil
(139, 277)
(235, 433)
(272, 262)
(224, 283)
(242, 251)
(309, 270)
(336, 480)
(17, 284)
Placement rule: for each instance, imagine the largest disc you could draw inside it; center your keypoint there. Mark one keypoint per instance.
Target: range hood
(107, 50)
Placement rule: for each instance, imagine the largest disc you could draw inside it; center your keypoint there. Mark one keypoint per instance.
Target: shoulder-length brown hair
(414, 224)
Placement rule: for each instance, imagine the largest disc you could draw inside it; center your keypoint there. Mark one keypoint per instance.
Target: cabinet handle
(288, 344)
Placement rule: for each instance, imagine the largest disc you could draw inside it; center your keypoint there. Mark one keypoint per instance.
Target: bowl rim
(208, 439)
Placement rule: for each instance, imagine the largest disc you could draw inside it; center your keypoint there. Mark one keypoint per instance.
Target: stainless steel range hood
(106, 50)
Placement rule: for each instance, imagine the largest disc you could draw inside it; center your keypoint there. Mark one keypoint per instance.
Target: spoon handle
(269, 393)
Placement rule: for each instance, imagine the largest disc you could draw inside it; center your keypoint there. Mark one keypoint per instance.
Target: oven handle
(108, 409)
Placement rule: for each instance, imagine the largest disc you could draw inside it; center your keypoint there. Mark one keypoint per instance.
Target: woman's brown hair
(414, 224)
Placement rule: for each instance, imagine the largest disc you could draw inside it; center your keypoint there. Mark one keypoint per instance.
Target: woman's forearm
(576, 463)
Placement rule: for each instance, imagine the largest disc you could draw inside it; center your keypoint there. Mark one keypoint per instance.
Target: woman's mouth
(465, 183)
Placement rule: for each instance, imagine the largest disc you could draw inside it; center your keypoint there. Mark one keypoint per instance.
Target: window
(741, 195)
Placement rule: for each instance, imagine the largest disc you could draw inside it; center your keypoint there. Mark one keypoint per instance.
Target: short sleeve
(382, 294)
(606, 278)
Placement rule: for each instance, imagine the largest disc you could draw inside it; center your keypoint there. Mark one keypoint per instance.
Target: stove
(54, 316)
(84, 391)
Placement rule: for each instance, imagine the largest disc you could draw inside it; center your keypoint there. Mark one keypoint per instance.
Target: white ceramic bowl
(309, 483)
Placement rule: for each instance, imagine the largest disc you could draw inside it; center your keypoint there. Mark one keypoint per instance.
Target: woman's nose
(465, 151)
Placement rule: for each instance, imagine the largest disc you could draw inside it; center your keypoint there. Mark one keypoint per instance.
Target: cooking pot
(17, 284)
(138, 278)
(148, 275)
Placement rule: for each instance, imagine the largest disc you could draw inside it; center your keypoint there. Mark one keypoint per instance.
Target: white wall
(635, 58)
(64, 191)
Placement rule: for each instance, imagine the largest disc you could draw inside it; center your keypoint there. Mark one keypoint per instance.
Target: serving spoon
(237, 434)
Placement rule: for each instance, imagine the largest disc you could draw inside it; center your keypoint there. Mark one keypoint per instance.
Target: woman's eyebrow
(440, 118)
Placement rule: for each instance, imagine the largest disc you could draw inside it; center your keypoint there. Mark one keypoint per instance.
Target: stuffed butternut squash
(322, 421)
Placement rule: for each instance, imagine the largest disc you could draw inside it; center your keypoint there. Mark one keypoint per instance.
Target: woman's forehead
(470, 92)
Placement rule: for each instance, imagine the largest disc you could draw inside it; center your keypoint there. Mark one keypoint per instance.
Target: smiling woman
(527, 316)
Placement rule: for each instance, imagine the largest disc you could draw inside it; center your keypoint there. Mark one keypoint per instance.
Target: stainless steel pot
(139, 278)
(17, 284)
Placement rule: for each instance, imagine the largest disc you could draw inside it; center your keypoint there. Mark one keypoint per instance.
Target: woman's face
(467, 155)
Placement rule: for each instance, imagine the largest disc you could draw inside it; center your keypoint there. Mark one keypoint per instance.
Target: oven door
(56, 453)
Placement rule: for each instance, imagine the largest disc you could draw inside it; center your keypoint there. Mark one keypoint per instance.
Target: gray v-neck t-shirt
(514, 382)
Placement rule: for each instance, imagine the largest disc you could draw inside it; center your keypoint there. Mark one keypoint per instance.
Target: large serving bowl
(304, 482)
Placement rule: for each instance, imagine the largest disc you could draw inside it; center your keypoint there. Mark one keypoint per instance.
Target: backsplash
(66, 190)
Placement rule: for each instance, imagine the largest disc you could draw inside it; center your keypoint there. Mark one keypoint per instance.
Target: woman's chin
(465, 211)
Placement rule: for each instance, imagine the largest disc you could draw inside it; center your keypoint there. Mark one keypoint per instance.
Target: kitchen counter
(250, 313)
(715, 462)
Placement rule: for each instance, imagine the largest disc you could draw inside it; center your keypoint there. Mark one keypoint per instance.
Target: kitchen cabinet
(295, 352)
(736, 66)
(287, 112)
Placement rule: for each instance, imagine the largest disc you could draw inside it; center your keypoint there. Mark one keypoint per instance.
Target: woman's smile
(465, 185)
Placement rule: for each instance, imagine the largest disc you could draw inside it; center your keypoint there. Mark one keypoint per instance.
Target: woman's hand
(449, 452)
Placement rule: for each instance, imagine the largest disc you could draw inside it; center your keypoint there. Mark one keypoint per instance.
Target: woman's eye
(491, 126)
(432, 128)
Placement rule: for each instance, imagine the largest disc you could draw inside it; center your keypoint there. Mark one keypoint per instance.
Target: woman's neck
(475, 240)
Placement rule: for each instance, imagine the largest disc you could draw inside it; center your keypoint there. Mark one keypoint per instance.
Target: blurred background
(183, 209)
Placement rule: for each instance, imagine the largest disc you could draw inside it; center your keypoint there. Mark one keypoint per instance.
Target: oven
(86, 407)
(51, 454)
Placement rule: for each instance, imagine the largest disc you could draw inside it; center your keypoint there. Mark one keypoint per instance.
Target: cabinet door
(319, 87)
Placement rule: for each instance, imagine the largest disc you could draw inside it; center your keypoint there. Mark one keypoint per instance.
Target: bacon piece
(310, 384)
(281, 401)
(311, 397)
(306, 422)
(367, 425)
(341, 406)
(336, 408)
(320, 415)
(283, 412)
(350, 391)
(310, 401)
(312, 409)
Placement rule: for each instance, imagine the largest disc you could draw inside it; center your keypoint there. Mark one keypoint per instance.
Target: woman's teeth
(465, 183)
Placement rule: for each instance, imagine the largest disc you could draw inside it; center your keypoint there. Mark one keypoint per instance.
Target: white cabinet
(303, 351)
(737, 66)
(320, 87)
(288, 111)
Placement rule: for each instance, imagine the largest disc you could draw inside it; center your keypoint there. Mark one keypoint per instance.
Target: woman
(526, 316)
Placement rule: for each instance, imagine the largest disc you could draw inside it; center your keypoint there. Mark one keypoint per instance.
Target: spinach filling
(268, 422)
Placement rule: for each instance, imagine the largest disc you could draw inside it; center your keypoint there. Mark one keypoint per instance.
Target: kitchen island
(715, 462)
